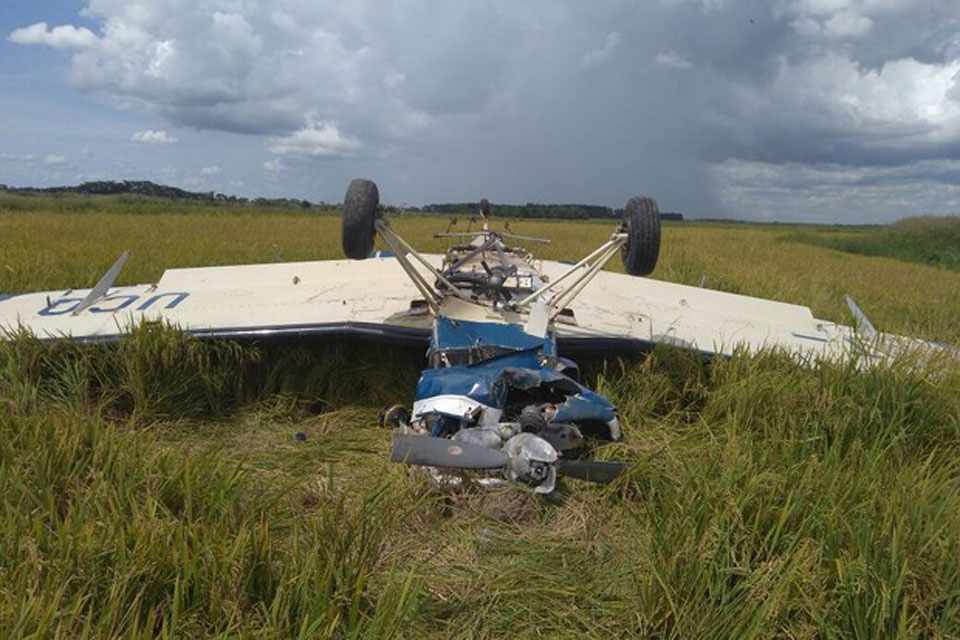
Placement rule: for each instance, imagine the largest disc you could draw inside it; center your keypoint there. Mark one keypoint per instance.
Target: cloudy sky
(820, 110)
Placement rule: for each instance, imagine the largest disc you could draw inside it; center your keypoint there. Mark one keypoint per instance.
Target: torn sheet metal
(480, 393)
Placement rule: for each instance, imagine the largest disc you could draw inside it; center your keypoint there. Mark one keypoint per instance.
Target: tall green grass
(763, 500)
(106, 534)
(928, 240)
(164, 486)
(158, 372)
(132, 204)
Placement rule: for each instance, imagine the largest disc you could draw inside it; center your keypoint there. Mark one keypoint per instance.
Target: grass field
(155, 488)
(929, 240)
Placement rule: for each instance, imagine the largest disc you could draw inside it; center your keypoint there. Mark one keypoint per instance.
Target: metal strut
(585, 270)
(401, 248)
(102, 288)
(563, 299)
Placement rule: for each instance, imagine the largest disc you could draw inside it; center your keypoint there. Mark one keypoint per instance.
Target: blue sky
(820, 110)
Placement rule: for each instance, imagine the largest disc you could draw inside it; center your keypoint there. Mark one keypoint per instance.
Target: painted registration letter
(178, 297)
(52, 308)
(127, 301)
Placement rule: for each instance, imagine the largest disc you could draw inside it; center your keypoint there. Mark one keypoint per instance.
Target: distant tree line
(153, 190)
(122, 187)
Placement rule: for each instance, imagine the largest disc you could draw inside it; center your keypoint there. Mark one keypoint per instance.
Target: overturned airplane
(498, 397)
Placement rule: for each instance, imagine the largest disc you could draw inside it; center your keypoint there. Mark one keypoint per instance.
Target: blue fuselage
(483, 373)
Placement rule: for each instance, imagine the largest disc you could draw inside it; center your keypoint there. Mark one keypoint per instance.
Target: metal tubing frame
(602, 255)
(565, 297)
(514, 236)
(458, 234)
(502, 234)
(481, 249)
(419, 282)
(393, 240)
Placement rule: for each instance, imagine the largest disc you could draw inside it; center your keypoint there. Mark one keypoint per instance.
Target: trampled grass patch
(156, 487)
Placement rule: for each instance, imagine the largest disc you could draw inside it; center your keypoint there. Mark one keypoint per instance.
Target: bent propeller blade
(441, 452)
(591, 470)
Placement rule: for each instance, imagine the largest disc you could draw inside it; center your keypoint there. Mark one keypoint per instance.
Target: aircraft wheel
(642, 225)
(359, 213)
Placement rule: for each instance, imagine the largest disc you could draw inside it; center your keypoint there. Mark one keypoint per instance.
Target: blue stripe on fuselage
(466, 334)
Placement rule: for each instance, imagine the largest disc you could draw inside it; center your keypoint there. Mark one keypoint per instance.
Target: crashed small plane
(498, 397)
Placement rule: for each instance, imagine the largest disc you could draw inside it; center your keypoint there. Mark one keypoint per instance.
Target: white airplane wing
(374, 299)
(331, 297)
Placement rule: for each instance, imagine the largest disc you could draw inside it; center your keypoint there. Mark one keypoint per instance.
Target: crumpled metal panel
(490, 381)
(583, 407)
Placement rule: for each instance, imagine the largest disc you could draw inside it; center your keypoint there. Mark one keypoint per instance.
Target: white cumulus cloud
(150, 136)
(54, 160)
(903, 103)
(839, 19)
(251, 67)
(315, 139)
(62, 37)
(212, 170)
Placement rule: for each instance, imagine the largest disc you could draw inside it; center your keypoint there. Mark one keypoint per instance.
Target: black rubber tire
(359, 214)
(641, 220)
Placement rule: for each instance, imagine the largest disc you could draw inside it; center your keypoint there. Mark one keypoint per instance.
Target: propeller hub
(532, 461)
